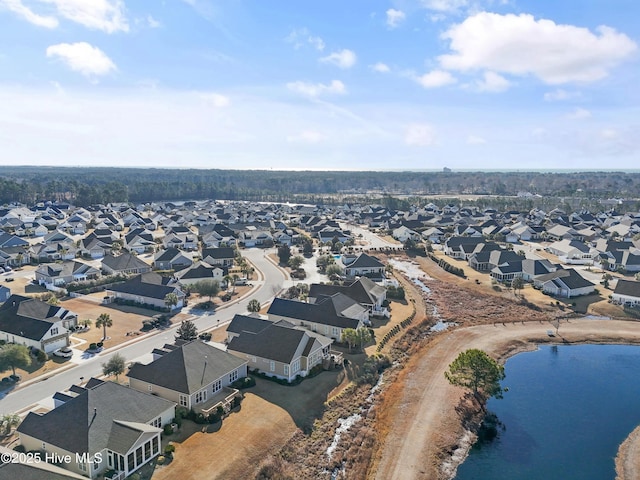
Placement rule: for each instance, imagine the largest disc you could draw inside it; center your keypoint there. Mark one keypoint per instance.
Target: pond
(567, 410)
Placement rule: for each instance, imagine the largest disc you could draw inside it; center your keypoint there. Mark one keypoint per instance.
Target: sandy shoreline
(424, 420)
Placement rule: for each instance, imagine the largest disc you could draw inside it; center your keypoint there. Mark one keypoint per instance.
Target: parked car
(64, 352)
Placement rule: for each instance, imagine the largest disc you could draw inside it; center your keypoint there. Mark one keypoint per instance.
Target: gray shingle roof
(322, 313)
(183, 369)
(29, 317)
(363, 290)
(85, 423)
(149, 285)
(274, 343)
(123, 262)
(627, 287)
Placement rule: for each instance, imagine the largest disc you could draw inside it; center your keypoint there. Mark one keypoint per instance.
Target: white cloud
(106, 15)
(420, 135)
(579, 114)
(435, 79)
(301, 36)
(559, 95)
(380, 67)
(609, 134)
(17, 7)
(492, 82)
(444, 5)
(83, 58)
(475, 140)
(216, 100)
(395, 17)
(343, 59)
(306, 136)
(152, 22)
(522, 45)
(336, 87)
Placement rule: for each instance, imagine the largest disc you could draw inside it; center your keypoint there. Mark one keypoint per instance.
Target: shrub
(181, 412)
(160, 460)
(167, 430)
(93, 346)
(200, 419)
(205, 336)
(243, 383)
(169, 449)
(213, 418)
(20, 449)
(41, 356)
(100, 344)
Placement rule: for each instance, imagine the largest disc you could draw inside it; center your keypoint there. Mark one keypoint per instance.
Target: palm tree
(104, 321)
(254, 306)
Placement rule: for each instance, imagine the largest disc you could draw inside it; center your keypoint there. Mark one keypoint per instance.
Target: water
(567, 410)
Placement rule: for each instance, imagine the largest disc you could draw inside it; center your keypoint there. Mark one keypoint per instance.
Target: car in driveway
(64, 352)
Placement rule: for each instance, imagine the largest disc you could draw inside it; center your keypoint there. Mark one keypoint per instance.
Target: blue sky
(321, 84)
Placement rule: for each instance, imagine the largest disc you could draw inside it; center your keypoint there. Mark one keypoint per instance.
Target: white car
(64, 352)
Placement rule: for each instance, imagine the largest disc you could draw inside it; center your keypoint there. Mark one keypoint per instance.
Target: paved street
(271, 281)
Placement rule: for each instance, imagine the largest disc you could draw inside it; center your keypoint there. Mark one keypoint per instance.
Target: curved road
(270, 283)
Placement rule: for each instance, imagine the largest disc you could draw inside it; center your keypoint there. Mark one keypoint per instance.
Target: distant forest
(84, 186)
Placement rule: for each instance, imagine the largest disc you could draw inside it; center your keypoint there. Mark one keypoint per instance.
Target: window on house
(233, 376)
(272, 366)
(82, 466)
(217, 385)
(150, 387)
(201, 396)
(335, 331)
(184, 401)
(295, 366)
(139, 456)
(54, 331)
(157, 422)
(286, 370)
(155, 445)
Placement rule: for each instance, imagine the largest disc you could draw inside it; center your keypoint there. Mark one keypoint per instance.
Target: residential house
(34, 323)
(328, 316)
(462, 247)
(276, 349)
(140, 240)
(402, 234)
(489, 255)
(626, 293)
(124, 264)
(222, 256)
(255, 238)
(148, 289)
(58, 274)
(531, 269)
(433, 235)
(573, 252)
(363, 290)
(193, 375)
(200, 271)
(103, 426)
(363, 265)
(172, 259)
(566, 283)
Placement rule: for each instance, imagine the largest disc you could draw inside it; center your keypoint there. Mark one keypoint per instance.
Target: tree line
(85, 186)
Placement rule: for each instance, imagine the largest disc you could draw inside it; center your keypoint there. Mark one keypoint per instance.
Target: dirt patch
(269, 416)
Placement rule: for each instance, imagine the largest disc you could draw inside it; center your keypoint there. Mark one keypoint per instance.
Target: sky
(321, 84)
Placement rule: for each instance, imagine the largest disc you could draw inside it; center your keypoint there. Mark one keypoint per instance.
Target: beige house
(279, 349)
(99, 427)
(193, 375)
